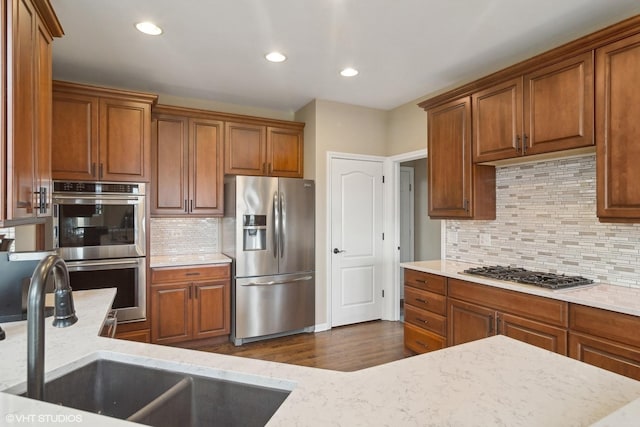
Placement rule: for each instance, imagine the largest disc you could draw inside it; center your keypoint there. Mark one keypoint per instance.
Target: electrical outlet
(485, 239)
(452, 236)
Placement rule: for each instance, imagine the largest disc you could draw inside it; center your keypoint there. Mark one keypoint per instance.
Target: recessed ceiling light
(149, 28)
(349, 72)
(275, 57)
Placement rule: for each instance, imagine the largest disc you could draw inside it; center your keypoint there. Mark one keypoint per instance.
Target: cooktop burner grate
(536, 278)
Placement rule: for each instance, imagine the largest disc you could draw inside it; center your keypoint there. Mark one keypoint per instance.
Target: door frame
(392, 225)
(331, 155)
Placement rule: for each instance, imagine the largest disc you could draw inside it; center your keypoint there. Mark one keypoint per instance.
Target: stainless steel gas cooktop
(536, 278)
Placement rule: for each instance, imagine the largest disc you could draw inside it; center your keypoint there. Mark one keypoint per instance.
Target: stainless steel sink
(160, 397)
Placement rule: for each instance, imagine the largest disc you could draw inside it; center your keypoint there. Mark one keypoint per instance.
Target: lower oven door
(127, 275)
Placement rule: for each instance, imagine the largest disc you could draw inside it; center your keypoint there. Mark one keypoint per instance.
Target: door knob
(337, 251)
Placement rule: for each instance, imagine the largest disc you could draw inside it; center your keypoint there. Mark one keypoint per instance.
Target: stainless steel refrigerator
(269, 231)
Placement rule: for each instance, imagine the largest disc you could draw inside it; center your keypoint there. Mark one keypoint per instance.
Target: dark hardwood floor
(345, 348)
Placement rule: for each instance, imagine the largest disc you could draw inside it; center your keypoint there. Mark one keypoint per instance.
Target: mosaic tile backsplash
(546, 219)
(184, 236)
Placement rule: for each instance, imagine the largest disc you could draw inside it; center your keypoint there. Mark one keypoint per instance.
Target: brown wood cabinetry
(425, 311)
(605, 339)
(101, 134)
(546, 110)
(457, 187)
(257, 149)
(189, 303)
(617, 130)
(26, 109)
(186, 163)
(143, 335)
(477, 311)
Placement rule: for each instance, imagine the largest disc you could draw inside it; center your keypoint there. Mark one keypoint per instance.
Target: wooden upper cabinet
(245, 149)
(101, 134)
(497, 121)
(547, 110)
(617, 131)
(284, 152)
(255, 149)
(186, 163)
(457, 188)
(26, 109)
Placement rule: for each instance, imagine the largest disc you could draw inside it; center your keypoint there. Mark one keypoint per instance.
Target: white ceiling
(404, 49)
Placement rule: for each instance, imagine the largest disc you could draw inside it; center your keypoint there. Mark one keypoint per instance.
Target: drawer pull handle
(195, 273)
(422, 320)
(421, 281)
(422, 344)
(424, 301)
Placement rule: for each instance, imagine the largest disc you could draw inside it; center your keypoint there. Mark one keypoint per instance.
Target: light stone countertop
(187, 259)
(600, 295)
(495, 381)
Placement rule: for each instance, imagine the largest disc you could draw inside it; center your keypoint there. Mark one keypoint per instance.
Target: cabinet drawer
(182, 274)
(605, 354)
(425, 300)
(426, 281)
(425, 320)
(604, 323)
(533, 307)
(421, 341)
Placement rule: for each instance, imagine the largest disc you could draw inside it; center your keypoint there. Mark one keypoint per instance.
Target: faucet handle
(65, 315)
(2, 334)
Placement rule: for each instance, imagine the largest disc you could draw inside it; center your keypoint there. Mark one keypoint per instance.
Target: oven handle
(101, 263)
(66, 200)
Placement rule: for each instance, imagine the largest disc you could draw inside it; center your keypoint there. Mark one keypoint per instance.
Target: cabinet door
(245, 149)
(169, 153)
(284, 152)
(211, 305)
(617, 130)
(449, 151)
(469, 322)
(558, 106)
(125, 140)
(534, 333)
(605, 354)
(497, 122)
(171, 319)
(74, 154)
(43, 137)
(205, 167)
(21, 116)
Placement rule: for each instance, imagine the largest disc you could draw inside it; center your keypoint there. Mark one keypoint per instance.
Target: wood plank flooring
(346, 348)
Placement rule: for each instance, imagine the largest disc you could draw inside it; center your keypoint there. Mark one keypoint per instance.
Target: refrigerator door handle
(276, 224)
(283, 215)
(273, 282)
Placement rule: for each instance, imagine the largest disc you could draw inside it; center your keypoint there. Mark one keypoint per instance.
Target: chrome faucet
(65, 315)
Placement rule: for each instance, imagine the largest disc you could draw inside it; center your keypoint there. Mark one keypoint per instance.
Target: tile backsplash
(184, 236)
(546, 219)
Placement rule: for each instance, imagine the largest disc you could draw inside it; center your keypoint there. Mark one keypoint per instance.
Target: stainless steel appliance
(268, 231)
(99, 230)
(536, 278)
(94, 220)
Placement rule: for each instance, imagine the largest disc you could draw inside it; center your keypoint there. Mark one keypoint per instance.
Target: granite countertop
(495, 381)
(187, 259)
(601, 295)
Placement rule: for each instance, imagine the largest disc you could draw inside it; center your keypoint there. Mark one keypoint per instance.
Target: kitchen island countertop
(616, 298)
(495, 381)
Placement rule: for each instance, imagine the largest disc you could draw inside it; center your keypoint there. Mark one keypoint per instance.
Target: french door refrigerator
(269, 231)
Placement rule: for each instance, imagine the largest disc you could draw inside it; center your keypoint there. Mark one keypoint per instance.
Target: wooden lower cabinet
(139, 336)
(535, 333)
(615, 357)
(189, 303)
(469, 322)
(420, 340)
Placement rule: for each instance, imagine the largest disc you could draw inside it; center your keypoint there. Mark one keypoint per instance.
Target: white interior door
(406, 218)
(356, 237)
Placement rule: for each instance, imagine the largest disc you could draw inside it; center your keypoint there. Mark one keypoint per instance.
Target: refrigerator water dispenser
(254, 232)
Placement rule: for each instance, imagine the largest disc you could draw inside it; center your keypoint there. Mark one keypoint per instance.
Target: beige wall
(340, 128)
(406, 129)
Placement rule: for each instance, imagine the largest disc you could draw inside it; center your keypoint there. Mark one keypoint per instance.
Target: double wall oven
(99, 230)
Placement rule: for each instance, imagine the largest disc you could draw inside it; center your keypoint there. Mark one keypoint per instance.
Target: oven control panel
(98, 187)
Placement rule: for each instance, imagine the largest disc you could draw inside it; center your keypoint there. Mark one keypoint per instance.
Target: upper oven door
(104, 226)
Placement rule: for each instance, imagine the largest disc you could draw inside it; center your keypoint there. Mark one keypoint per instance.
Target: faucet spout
(64, 316)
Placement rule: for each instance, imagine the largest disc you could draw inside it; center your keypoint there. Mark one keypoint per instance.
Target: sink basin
(161, 397)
